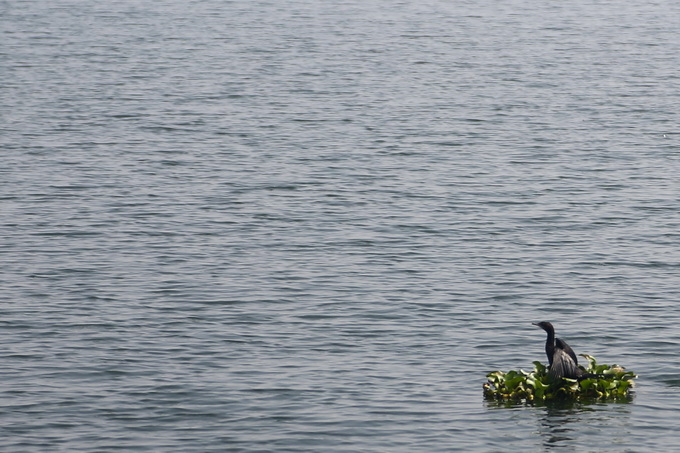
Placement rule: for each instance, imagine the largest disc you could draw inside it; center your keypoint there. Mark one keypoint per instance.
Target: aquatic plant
(603, 382)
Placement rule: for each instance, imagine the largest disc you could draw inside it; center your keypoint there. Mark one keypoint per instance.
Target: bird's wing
(561, 344)
(563, 366)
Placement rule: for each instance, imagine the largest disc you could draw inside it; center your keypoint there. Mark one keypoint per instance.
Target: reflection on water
(670, 381)
(560, 423)
(555, 418)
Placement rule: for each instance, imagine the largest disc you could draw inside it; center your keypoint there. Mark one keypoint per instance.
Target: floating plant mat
(611, 383)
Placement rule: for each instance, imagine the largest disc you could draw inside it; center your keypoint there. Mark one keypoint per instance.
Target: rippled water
(315, 226)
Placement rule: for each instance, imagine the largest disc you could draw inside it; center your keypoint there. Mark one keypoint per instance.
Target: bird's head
(545, 325)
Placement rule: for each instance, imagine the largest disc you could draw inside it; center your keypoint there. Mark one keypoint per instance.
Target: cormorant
(561, 358)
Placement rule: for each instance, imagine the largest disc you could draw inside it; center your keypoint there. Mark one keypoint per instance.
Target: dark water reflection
(568, 424)
(561, 423)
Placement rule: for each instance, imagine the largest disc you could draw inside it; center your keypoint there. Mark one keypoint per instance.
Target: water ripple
(312, 227)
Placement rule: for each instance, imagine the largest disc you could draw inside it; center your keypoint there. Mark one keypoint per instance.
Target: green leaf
(587, 384)
(591, 361)
(514, 381)
(539, 368)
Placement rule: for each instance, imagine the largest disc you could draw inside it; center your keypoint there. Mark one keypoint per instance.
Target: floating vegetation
(600, 382)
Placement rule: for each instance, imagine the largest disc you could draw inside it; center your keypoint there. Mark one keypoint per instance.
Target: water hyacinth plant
(607, 382)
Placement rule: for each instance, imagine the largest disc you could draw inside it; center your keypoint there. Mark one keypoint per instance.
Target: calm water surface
(315, 226)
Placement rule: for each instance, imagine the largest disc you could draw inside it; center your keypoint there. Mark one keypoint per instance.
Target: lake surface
(314, 226)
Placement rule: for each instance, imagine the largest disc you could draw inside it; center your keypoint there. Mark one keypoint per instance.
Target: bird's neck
(551, 337)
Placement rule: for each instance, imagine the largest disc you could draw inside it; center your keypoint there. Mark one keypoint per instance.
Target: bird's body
(561, 358)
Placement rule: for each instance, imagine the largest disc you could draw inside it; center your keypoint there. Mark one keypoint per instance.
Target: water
(315, 226)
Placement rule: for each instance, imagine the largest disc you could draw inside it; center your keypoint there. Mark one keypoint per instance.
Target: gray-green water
(315, 226)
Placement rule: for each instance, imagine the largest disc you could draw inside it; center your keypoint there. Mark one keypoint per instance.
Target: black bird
(561, 358)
